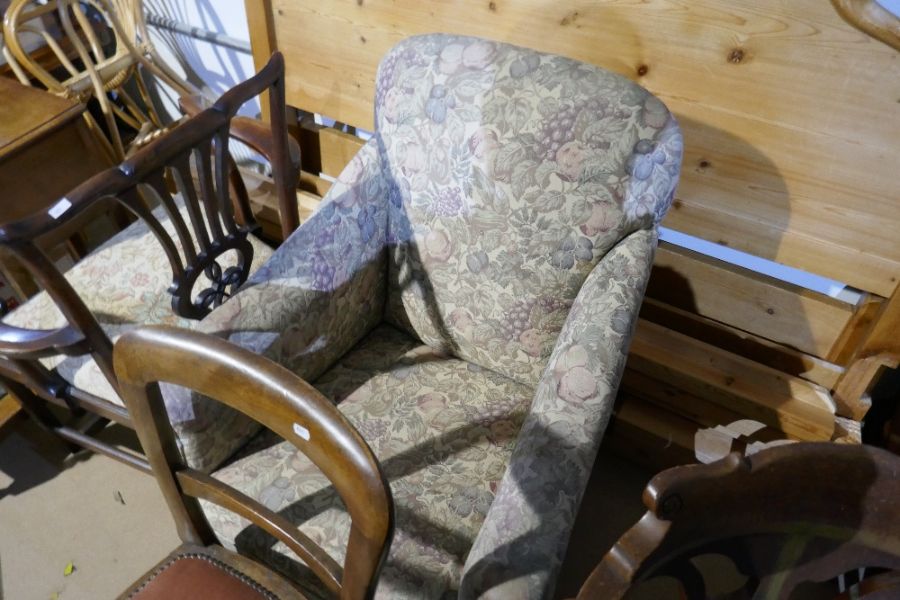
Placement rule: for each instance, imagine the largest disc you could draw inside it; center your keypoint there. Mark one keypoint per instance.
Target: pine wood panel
(9, 408)
(795, 406)
(757, 349)
(769, 308)
(790, 114)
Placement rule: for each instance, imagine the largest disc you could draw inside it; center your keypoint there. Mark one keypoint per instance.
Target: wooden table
(46, 149)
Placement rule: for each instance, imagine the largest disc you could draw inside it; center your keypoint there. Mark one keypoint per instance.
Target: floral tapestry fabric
(511, 173)
(443, 430)
(502, 219)
(521, 546)
(313, 300)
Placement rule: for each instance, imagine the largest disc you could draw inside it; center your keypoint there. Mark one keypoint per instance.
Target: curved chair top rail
(786, 515)
(284, 403)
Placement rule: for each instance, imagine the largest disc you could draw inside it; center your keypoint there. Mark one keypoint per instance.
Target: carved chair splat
(207, 243)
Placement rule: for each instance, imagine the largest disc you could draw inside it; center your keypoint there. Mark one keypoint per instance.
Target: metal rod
(198, 33)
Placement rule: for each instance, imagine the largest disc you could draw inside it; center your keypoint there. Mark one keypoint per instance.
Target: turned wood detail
(784, 516)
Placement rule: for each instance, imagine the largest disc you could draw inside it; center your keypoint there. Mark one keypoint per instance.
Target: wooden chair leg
(38, 411)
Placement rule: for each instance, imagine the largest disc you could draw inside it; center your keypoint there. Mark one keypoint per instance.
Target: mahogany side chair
(187, 253)
(785, 517)
(289, 407)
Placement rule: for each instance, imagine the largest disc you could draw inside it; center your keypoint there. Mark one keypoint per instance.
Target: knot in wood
(736, 56)
(642, 70)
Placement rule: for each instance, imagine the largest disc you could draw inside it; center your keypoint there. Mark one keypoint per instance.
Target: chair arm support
(17, 342)
(256, 134)
(523, 541)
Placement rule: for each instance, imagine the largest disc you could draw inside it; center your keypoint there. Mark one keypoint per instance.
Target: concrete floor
(105, 518)
(112, 524)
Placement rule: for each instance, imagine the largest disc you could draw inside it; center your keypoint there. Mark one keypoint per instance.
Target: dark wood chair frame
(806, 512)
(213, 221)
(288, 406)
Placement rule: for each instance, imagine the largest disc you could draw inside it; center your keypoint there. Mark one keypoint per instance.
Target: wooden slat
(744, 344)
(701, 412)
(9, 408)
(264, 203)
(879, 351)
(262, 32)
(784, 158)
(313, 184)
(337, 149)
(856, 329)
(749, 301)
(801, 409)
(655, 438)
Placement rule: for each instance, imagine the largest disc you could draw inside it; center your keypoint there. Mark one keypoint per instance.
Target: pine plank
(749, 301)
(9, 408)
(761, 350)
(801, 409)
(785, 158)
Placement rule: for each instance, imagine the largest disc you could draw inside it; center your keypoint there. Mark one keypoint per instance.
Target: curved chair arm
(20, 343)
(786, 515)
(521, 546)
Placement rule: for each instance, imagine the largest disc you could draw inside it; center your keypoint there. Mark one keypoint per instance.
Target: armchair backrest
(275, 397)
(512, 173)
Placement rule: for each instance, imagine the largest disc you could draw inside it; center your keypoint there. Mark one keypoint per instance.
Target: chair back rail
(203, 226)
(203, 143)
(284, 403)
(786, 515)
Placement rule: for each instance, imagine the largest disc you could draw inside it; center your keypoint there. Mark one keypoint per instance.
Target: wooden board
(790, 114)
(760, 305)
(9, 408)
(795, 406)
(757, 349)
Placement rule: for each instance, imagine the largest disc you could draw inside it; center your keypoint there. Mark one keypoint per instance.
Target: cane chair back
(99, 45)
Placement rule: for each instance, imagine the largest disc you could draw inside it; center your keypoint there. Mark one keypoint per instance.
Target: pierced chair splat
(188, 252)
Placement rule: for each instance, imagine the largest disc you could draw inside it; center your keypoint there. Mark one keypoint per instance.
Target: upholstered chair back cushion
(510, 173)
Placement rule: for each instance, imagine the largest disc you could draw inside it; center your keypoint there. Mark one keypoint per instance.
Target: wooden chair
(805, 512)
(57, 347)
(92, 67)
(288, 406)
(102, 46)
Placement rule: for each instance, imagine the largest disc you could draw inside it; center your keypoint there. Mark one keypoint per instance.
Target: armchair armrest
(324, 287)
(521, 546)
(312, 301)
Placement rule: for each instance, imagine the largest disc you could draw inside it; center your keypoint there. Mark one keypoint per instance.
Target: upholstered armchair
(465, 294)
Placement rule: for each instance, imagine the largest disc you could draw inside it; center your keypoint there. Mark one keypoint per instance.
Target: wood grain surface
(790, 114)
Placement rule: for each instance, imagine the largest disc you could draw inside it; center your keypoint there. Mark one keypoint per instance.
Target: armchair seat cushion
(443, 430)
(124, 283)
